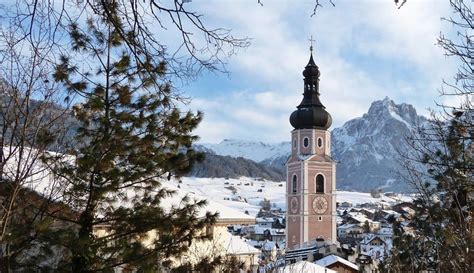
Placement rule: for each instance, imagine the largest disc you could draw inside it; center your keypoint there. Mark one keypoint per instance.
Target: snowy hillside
(245, 194)
(230, 167)
(256, 151)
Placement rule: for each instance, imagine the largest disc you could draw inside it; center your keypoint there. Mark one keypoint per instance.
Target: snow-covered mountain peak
(256, 151)
(387, 108)
(367, 147)
(242, 143)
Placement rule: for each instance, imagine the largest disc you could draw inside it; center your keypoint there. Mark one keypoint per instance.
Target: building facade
(311, 172)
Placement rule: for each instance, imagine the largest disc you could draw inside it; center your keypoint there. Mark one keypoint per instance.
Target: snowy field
(250, 192)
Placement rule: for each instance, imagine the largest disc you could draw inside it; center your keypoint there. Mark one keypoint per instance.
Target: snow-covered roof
(389, 211)
(385, 231)
(346, 226)
(304, 266)
(369, 237)
(396, 215)
(368, 210)
(261, 230)
(237, 246)
(264, 220)
(361, 218)
(268, 245)
(331, 259)
(408, 210)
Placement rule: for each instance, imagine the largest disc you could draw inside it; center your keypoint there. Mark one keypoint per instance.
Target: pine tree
(131, 137)
(440, 235)
(440, 165)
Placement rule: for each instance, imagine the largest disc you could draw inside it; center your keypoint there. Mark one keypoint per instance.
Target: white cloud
(269, 71)
(213, 131)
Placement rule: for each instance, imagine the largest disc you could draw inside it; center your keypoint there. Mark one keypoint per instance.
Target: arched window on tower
(320, 142)
(319, 183)
(294, 184)
(306, 142)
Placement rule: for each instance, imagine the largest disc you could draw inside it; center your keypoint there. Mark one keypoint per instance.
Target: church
(311, 172)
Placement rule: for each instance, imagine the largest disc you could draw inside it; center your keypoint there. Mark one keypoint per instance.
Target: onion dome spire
(311, 113)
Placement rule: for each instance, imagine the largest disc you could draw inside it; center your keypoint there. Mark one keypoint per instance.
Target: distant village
(364, 235)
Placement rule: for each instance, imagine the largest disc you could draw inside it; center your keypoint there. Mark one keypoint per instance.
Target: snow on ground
(253, 191)
(364, 197)
(225, 211)
(249, 192)
(220, 190)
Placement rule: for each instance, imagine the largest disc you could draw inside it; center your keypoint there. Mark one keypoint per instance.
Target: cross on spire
(311, 43)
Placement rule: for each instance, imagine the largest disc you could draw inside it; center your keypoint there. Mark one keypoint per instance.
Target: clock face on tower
(320, 204)
(294, 205)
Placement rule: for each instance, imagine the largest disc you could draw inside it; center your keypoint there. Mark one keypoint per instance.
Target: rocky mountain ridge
(367, 148)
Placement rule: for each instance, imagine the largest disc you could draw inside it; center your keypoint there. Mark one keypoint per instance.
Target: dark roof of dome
(311, 112)
(310, 118)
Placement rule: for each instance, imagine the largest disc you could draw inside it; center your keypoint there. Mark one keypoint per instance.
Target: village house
(337, 264)
(361, 219)
(265, 222)
(374, 246)
(386, 214)
(344, 205)
(385, 233)
(350, 230)
(258, 233)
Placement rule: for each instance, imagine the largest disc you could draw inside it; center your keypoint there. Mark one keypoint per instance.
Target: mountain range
(365, 149)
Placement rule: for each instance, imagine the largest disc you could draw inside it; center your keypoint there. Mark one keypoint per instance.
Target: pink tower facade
(311, 172)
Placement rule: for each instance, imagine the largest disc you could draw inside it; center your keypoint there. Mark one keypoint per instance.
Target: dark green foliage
(30, 225)
(366, 226)
(130, 137)
(232, 265)
(439, 237)
(265, 204)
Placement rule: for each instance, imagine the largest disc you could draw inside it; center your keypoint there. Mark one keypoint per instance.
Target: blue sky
(366, 50)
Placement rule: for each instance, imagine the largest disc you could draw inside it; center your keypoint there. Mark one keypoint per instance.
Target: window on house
(319, 183)
(294, 184)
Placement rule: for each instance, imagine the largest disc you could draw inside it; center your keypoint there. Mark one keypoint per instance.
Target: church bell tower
(311, 172)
